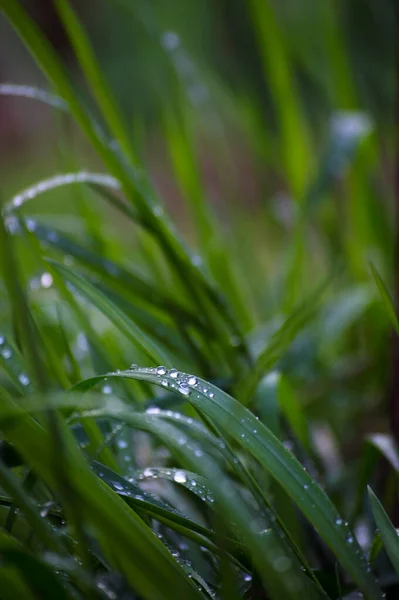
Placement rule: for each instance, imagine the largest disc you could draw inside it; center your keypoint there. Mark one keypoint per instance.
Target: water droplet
(173, 373)
(46, 280)
(338, 522)
(30, 225)
(184, 389)
(24, 379)
(148, 473)
(350, 539)
(118, 486)
(153, 410)
(170, 40)
(180, 477)
(53, 236)
(107, 389)
(198, 452)
(192, 380)
(122, 444)
(164, 382)
(306, 487)
(133, 367)
(161, 370)
(282, 564)
(247, 577)
(6, 353)
(211, 395)
(2, 340)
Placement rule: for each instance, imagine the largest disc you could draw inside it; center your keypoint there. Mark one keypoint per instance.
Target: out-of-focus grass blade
(295, 145)
(116, 316)
(11, 484)
(388, 532)
(293, 412)
(40, 577)
(256, 438)
(32, 93)
(89, 66)
(277, 345)
(386, 298)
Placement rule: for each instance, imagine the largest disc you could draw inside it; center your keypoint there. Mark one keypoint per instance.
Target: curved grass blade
(46, 185)
(191, 481)
(114, 313)
(32, 93)
(248, 432)
(388, 532)
(158, 509)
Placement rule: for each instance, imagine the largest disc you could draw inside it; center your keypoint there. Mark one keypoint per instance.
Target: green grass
(241, 468)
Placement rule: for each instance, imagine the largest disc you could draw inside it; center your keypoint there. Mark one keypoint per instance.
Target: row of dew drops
(183, 383)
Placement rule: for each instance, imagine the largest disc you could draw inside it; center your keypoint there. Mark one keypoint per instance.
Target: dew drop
(192, 380)
(122, 444)
(118, 486)
(24, 379)
(164, 382)
(107, 389)
(46, 280)
(211, 395)
(306, 487)
(2, 340)
(184, 389)
(282, 564)
(6, 353)
(161, 370)
(170, 40)
(350, 539)
(133, 367)
(338, 522)
(180, 477)
(30, 225)
(173, 373)
(148, 473)
(153, 410)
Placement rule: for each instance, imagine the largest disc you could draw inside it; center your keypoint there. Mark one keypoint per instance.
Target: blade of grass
(388, 532)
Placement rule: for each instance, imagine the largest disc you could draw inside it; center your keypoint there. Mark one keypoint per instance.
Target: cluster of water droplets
(181, 382)
(181, 477)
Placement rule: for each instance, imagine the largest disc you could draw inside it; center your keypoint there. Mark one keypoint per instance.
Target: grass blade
(388, 532)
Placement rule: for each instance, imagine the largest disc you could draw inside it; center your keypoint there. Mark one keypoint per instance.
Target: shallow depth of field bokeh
(232, 217)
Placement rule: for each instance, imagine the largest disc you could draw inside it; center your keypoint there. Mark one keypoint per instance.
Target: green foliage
(240, 468)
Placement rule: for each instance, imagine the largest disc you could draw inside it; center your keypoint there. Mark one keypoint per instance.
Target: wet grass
(198, 413)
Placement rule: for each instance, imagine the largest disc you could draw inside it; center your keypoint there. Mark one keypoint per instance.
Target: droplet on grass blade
(180, 477)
